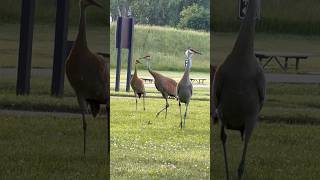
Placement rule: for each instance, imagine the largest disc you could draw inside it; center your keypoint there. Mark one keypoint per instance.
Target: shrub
(195, 17)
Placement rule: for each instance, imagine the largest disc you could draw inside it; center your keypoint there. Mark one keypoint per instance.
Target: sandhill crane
(88, 73)
(239, 87)
(184, 88)
(137, 85)
(166, 86)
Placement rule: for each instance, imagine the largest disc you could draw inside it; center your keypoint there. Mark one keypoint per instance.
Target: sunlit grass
(159, 149)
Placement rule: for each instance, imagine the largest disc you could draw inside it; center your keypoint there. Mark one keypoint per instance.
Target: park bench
(276, 56)
(199, 80)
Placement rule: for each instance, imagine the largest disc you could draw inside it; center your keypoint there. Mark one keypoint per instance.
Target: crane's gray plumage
(239, 87)
(184, 88)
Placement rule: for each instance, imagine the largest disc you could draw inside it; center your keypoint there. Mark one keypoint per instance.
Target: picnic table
(276, 56)
(147, 80)
(199, 80)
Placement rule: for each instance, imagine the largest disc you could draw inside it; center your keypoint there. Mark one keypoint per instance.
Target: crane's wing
(138, 85)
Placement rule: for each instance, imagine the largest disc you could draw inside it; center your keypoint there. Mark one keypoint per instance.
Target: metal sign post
(243, 6)
(25, 47)
(60, 47)
(124, 37)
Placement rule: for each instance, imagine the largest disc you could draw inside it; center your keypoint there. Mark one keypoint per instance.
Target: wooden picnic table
(199, 80)
(147, 80)
(269, 56)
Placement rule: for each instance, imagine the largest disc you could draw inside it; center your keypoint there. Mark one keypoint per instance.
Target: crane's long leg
(224, 140)
(84, 126)
(185, 114)
(136, 101)
(143, 102)
(180, 115)
(167, 105)
(246, 141)
(165, 108)
(108, 137)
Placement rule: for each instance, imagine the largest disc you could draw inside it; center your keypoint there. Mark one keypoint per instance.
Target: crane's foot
(149, 122)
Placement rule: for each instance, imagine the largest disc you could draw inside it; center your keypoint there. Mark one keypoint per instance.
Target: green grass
(51, 147)
(45, 12)
(300, 17)
(276, 151)
(166, 47)
(160, 150)
(223, 42)
(43, 43)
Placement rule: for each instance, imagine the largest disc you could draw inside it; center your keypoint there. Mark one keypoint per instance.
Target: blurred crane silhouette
(137, 85)
(166, 86)
(88, 73)
(184, 88)
(239, 87)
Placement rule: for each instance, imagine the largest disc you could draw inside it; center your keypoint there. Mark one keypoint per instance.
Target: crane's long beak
(138, 62)
(197, 52)
(96, 3)
(145, 57)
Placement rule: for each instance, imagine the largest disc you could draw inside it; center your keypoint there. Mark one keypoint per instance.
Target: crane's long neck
(187, 68)
(150, 70)
(245, 41)
(135, 70)
(81, 40)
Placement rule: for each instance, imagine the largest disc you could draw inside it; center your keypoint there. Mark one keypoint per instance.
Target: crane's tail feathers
(95, 107)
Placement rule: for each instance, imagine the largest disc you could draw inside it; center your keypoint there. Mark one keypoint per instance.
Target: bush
(195, 17)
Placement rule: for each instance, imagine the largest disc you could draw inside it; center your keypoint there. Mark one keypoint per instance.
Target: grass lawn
(160, 150)
(276, 151)
(223, 42)
(50, 146)
(43, 43)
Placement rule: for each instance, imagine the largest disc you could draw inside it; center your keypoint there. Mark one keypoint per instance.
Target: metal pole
(25, 47)
(129, 55)
(129, 69)
(60, 47)
(118, 70)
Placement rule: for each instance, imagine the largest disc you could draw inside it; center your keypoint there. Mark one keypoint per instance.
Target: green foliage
(166, 12)
(285, 16)
(194, 17)
(45, 12)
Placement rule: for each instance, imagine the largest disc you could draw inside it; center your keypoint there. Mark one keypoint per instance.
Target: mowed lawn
(223, 43)
(145, 147)
(50, 146)
(276, 151)
(285, 142)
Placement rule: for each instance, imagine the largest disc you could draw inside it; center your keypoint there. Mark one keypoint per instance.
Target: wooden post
(60, 47)
(25, 47)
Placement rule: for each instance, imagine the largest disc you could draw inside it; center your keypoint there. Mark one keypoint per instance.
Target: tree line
(185, 14)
